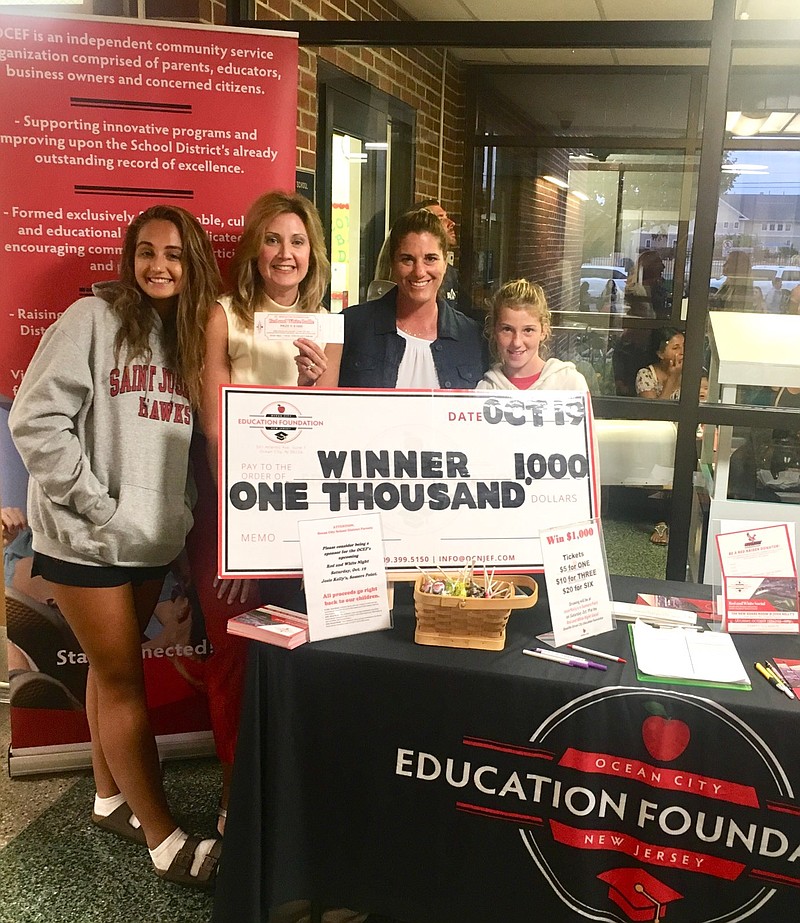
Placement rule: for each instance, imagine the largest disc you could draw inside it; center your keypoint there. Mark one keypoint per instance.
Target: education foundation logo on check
(635, 802)
(280, 422)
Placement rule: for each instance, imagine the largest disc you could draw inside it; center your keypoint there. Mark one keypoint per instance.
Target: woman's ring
(311, 366)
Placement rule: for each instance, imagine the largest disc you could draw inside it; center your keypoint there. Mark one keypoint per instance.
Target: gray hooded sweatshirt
(556, 376)
(106, 445)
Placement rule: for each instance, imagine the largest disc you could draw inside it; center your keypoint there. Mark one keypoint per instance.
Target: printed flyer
(102, 118)
(759, 579)
(578, 590)
(344, 578)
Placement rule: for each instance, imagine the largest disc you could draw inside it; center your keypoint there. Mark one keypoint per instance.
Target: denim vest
(373, 349)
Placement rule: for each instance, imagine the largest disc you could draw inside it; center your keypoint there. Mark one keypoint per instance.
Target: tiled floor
(23, 800)
(56, 867)
(629, 517)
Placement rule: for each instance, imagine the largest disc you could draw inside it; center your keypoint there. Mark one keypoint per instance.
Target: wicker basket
(452, 621)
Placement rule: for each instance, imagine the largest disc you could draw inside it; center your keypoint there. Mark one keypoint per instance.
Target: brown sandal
(119, 823)
(660, 534)
(180, 869)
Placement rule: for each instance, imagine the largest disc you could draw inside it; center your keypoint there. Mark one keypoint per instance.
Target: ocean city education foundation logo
(282, 422)
(636, 802)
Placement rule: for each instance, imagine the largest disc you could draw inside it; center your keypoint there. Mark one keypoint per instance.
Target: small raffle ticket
(320, 327)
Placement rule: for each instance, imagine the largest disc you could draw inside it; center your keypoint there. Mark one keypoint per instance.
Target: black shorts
(86, 575)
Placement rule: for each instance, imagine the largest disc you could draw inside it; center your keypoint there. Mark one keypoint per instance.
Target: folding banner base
(28, 761)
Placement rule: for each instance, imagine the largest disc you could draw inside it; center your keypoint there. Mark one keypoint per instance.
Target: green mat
(62, 869)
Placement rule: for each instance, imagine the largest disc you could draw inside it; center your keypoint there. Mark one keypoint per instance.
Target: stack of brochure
(790, 672)
(273, 625)
(654, 615)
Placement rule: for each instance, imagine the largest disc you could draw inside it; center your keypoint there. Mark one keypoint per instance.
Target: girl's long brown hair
(184, 334)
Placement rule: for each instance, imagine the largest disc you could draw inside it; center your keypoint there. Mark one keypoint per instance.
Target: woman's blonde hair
(248, 286)
(519, 294)
(184, 333)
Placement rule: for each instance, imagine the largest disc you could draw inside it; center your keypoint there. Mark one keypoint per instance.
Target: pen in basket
(464, 584)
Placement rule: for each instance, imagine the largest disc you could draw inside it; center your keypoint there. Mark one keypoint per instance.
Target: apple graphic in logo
(665, 738)
(281, 408)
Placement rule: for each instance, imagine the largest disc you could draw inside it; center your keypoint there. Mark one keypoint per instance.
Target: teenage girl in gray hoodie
(103, 421)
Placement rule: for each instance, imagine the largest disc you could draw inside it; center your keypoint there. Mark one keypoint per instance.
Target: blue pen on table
(560, 656)
(546, 655)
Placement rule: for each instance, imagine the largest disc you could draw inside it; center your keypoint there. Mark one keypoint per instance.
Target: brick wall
(540, 235)
(536, 234)
(413, 75)
(549, 223)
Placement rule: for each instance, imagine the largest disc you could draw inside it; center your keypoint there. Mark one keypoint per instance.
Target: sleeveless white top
(416, 367)
(255, 360)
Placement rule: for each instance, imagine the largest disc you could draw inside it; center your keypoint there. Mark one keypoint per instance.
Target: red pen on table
(588, 650)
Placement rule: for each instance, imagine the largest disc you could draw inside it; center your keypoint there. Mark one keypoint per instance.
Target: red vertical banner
(100, 119)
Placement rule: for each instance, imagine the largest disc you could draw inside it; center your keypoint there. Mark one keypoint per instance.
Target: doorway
(366, 171)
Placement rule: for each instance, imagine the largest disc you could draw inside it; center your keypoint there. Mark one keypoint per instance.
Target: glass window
(587, 216)
(365, 177)
(605, 235)
(765, 461)
(606, 228)
(755, 264)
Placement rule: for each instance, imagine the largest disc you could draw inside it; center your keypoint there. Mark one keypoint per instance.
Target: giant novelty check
(456, 476)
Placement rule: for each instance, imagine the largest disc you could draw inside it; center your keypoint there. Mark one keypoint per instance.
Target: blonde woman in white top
(280, 265)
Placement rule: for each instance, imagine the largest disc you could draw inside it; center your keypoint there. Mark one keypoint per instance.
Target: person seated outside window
(661, 380)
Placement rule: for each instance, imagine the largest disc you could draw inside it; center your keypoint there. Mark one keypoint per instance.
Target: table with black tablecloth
(438, 785)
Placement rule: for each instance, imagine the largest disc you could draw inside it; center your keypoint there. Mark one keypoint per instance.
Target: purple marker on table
(571, 658)
(553, 658)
